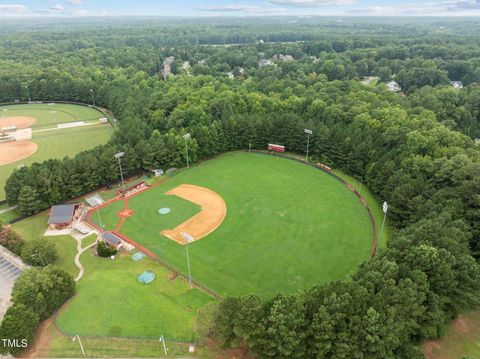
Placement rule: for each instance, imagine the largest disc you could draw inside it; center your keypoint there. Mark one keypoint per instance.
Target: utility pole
(162, 339)
(28, 93)
(308, 132)
(79, 342)
(39, 256)
(385, 210)
(93, 97)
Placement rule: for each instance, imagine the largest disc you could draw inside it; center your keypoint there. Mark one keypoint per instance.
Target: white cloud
(9, 9)
(57, 8)
(246, 9)
(311, 3)
(74, 2)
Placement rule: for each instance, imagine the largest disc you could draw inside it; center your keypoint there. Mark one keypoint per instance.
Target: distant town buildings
(264, 62)
(167, 67)
(393, 86)
(282, 57)
(457, 84)
(203, 62)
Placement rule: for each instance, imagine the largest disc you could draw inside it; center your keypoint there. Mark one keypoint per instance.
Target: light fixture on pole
(186, 137)
(93, 97)
(308, 132)
(118, 156)
(385, 210)
(79, 342)
(28, 93)
(188, 239)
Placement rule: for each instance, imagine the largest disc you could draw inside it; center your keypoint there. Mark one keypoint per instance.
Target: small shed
(157, 172)
(95, 200)
(112, 239)
(62, 216)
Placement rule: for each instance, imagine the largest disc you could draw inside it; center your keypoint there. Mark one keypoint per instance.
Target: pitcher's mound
(126, 213)
(17, 121)
(11, 152)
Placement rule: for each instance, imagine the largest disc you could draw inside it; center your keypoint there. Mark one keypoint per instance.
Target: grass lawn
(57, 143)
(461, 341)
(288, 226)
(109, 297)
(34, 227)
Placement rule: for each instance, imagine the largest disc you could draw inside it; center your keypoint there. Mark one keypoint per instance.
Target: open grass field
(109, 297)
(56, 143)
(288, 226)
(462, 339)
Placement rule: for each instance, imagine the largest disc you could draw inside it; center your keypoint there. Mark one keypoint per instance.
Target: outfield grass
(57, 143)
(288, 226)
(109, 297)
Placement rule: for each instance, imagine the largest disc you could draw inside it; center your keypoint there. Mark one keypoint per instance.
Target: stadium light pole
(385, 210)
(93, 97)
(308, 132)
(79, 342)
(28, 93)
(188, 239)
(118, 156)
(54, 114)
(162, 339)
(186, 137)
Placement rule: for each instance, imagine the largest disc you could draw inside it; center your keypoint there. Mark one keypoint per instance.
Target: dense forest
(413, 148)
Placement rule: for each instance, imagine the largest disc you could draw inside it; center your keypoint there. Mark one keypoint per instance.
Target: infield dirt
(202, 224)
(11, 152)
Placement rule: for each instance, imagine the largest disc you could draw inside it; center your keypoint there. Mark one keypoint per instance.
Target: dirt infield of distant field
(202, 224)
(17, 121)
(124, 213)
(15, 151)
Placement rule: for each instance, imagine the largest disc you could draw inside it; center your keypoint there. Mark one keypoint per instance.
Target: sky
(79, 8)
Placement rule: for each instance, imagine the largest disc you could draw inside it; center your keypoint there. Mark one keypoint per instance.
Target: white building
(457, 84)
(393, 86)
(264, 62)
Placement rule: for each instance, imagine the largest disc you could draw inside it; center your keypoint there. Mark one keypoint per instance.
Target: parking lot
(10, 270)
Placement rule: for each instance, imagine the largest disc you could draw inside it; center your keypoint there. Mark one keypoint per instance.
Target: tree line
(407, 150)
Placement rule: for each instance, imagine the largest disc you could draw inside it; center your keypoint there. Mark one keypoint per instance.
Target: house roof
(62, 213)
(111, 238)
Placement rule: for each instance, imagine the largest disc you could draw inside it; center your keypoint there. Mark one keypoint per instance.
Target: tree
(39, 252)
(18, 324)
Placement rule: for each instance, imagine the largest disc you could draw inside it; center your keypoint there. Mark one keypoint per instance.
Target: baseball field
(286, 226)
(45, 131)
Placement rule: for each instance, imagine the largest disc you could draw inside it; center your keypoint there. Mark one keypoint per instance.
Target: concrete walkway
(8, 209)
(80, 251)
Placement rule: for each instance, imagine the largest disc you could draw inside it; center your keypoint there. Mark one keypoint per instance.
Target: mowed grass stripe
(288, 226)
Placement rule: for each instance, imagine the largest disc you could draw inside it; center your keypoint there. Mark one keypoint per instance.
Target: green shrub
(11, 240)
(105, 250)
